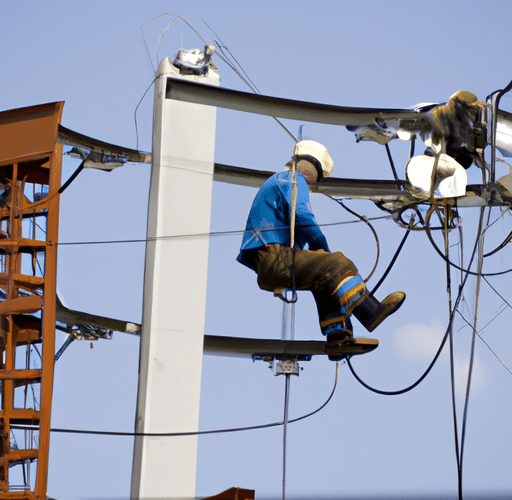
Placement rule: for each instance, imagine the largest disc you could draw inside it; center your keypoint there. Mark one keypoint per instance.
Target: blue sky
(373, 54)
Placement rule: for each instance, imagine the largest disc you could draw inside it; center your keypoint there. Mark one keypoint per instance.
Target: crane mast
(30, 175)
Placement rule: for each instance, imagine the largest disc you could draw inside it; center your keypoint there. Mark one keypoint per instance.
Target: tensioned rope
(290, 325)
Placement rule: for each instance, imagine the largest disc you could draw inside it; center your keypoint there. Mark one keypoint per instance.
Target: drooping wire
(412, 386)
(436, 357)
(440, 253)
(427, 371)
(395, 256)
(364, 219)
(193, 433)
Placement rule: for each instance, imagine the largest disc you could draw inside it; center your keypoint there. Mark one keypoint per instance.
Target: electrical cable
(407, 389)
(436, 248)
(135, 114)
(502, 245)
(64, 186)
(364, 219)
(459, 448)
(392, 262)
(395, 256)
(452, 356)
(427, 371)
(196, 235)
(73, 176)
(507, 304)
(480, 244)
(243, 75)
(489, 347)
(193, 433)
(392, 163)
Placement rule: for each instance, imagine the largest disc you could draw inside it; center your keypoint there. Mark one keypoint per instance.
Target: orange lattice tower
(30, 176)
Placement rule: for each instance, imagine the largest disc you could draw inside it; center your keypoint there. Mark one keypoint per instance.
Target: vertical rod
(285, 429)
(412, 146)
(48, 320)
(287, 333)
(288, 323)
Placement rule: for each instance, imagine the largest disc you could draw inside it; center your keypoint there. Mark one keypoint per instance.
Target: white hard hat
(318, 152)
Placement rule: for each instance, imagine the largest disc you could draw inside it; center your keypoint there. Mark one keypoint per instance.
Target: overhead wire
(505, 301)
(135, 113)
(466, 272)
(364, 219)
(238, 69)
(408, 388)
(193, 433)
(449, 331)
(392, 262)
(436, 248)
(459, 445)
(480, 243)
(505, 242)
(234, 232)
(452, 355)
(488, 346)
(393, 169)
(434, 360)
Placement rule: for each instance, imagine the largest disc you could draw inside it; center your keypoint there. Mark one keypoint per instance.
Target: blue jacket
(269, 218)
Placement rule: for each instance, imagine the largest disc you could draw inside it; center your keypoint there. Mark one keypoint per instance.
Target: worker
(337, 287)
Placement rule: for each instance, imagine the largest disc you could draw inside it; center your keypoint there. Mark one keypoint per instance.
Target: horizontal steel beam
(188, 91)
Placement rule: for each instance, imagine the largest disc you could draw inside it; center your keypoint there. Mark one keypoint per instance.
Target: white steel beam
(174, 292)
(290, 108)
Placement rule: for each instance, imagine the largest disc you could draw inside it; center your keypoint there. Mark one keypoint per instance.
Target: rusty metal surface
(30, 176)
(233, 494)
(29, 132)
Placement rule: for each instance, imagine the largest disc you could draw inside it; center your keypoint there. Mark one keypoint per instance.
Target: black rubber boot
(371, 313)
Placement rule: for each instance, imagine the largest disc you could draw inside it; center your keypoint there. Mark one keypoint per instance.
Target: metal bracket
(288, 366)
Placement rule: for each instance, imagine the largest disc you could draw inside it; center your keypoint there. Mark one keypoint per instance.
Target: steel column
(174, 292)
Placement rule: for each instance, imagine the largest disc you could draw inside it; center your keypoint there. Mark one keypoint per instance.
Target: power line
(236, 232)
(192, 433)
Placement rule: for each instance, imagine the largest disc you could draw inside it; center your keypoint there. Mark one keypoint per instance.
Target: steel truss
(30, 175)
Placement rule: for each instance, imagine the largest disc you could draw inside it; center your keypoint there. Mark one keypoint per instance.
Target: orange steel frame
(30, 160)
